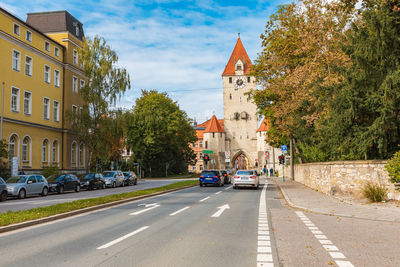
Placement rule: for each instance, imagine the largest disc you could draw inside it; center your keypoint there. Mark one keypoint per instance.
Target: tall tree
(106, 83)
(159, 134)
(364, 122)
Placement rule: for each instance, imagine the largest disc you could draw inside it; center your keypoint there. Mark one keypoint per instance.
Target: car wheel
(61, 190)
(77, 188)
(3, 196)
(22, 194)
(114, 185)
(201, 185)
(135, 182)
(45, 191)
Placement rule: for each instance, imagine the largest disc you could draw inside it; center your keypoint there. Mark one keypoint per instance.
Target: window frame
(29, 103)
(82, 83)
(75, 57)
(30, 66)
(56, 51)
(18, 61)
(17, 102)
(48, 74)
(45, 155)
(27, 35)
(57, 78)
(17, 26)
(48, 108)
(27, 151)
(47, 44)
(75, 84)
(54, 150)
(56, 115)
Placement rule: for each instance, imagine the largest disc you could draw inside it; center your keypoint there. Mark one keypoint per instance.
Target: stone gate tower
(240, 112)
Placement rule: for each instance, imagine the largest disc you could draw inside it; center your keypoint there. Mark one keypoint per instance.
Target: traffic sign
(227, 154)
(227, 160)
(207, 152)
(284, 149)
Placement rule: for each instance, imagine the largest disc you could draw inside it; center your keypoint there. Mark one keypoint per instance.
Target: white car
(248, 178)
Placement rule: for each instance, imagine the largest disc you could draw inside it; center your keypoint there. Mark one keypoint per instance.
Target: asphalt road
(194, 227)
(35, 201)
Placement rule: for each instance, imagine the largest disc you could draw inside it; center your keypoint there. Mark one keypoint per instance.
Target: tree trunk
(297, 151)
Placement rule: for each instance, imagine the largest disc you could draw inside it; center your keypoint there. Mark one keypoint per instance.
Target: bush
(47, 171)
(374, 192)
(393, 168)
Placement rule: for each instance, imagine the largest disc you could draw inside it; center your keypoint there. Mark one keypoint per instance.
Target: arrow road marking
(178, 211)
(123, 238)
(221, 210)
(152, 206)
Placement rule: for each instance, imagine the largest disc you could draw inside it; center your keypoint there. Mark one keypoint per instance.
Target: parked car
(130, 178)
(64, 182)
(93, 181)
(22, 185)
(3, 190)
(245, 178)
(114, 178)
(227, 177)
(213, 177)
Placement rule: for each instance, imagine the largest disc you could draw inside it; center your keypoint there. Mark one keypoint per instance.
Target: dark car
(130, 178)
(3, 190)
(93, 181)
(227, 177)
(63, 182)
(213, 177)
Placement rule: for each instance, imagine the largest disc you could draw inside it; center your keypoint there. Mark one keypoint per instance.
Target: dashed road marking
(264, 251)
(325, 242)
(109, 244)
(228, 187)
(219, 192)
(178, 211)
(204, 199)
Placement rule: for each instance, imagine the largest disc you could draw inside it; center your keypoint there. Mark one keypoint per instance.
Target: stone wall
(344, 177)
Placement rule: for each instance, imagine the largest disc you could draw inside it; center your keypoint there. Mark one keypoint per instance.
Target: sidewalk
(302, 197)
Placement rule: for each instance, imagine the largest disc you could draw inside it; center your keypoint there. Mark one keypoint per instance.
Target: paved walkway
(302, 197)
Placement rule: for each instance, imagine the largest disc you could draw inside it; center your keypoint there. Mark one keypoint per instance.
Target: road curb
(21, 225)
(291, 204)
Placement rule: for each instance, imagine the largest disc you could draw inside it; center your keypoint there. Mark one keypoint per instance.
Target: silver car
(22, 185)
(246, 178)
(114, 178)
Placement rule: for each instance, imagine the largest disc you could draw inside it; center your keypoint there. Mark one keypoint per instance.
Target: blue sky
(180, 47)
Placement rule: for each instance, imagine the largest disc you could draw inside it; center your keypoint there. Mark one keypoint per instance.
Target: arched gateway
(241, 162)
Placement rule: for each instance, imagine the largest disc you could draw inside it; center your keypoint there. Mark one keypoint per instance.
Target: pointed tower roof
(238, 53)
(264, 126)
(214, 126)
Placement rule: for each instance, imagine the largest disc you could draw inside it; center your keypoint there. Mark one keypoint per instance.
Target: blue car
(212, 177)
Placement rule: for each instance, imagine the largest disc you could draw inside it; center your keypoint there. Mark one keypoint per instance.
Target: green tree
(106, 83)
(159, 133)
(364, 120)
(3, 158)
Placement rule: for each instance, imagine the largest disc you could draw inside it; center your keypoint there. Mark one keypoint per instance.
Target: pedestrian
(265, 170)
(271, 172)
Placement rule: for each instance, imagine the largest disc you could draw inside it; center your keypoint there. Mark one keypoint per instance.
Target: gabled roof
(214, 126)
(238, 53)
(264, 126)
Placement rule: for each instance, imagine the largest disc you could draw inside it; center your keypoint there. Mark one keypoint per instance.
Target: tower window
(248, 79)
(230, 79)
(239, 67)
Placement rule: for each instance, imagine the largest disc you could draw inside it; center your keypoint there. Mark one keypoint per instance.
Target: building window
(82, 84)
(56, 51)
(57, 78)
(28, 36)
(47, 46)
(73, 152)
(239, 67)
(45, 145)
(16, 63)
(201, 144)
(11, 147)
(55, 110)
(28, 66)
(54, 153)
(248, 79)
(46, 74)
(75, 84)
(26, 149)
(27, 103)
(14, 99)
(230, 79)
(206, 144)
(16, 29)
(201, 156)
(80, 155)
(46, 108)
(75, 55)
(74, 109)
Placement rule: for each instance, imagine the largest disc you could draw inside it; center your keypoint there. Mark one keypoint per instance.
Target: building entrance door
(241, 162)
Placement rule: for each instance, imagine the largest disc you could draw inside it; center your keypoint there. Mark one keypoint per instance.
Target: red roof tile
(238, 53)
(214, 126)
(264, 126)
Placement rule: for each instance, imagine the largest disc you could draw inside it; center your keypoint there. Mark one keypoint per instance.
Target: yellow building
(40, 79)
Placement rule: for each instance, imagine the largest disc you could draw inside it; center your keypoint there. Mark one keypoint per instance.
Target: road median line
(28, 223)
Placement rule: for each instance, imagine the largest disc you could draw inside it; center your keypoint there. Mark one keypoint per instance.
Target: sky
(178, 47)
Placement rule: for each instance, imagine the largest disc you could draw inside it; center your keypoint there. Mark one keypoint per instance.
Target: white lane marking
(204, 199)
(221, 210)
(326, 243)
(178, 211)
(123, 238)
(219, 192)
(264, 250)
(141, 211)
(228, 187)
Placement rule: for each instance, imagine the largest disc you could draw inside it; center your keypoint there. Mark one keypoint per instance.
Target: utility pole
(2, 111)
(273, 158)
(291, 159)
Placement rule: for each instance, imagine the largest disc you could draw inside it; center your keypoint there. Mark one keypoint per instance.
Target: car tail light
(201, 176)
(225, 174)
(236, 177)
(215, 176)
(253, 177)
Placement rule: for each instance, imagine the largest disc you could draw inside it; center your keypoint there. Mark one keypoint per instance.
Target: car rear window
(1, 181)
(244, 173)
(109, 174)
(209, 173)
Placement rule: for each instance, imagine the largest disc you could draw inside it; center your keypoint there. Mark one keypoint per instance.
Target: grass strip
(12, 217)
